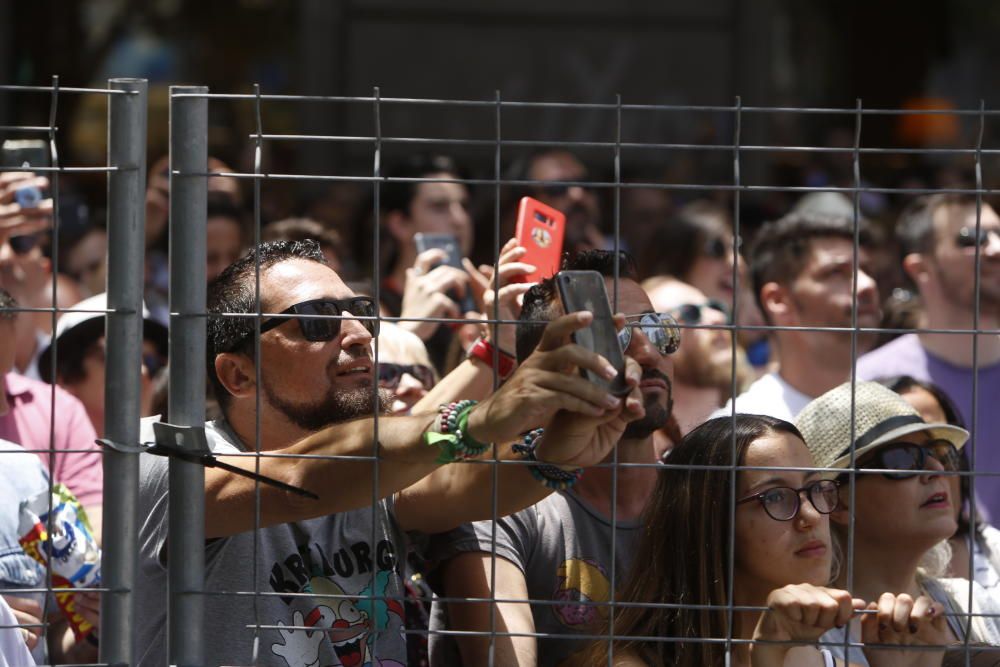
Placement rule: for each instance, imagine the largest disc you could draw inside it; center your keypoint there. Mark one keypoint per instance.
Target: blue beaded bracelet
(551, 476)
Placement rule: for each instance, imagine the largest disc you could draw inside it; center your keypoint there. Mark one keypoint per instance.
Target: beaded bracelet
(451, 433)
(551, 476)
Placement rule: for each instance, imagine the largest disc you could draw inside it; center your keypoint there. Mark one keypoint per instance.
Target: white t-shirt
(769, 395)
(13, 650)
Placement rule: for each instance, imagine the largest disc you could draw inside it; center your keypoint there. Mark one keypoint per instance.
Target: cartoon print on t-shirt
(348, 626)
(581, 581)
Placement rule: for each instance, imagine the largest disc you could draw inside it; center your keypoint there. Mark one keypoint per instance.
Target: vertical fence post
(126, 240)
(186, 530)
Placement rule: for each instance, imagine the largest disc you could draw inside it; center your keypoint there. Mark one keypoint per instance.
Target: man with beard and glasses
(802, 268)
(940, 237)
(330, 568)
(559, 551)
(703, 366)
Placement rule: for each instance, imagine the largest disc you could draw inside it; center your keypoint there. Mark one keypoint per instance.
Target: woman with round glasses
(673, 609)
(902, 504)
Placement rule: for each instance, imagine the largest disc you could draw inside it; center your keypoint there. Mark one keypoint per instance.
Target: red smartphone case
(540, 230)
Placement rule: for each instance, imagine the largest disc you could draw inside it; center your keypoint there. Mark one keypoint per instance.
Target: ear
(399, 226)
(776, 302)
(917, 268)
(236, 373)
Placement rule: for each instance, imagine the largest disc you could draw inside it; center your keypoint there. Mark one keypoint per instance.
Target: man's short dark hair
(234, 291)
(781, 248)
(915, 229)
(400, 196)
(540, 299)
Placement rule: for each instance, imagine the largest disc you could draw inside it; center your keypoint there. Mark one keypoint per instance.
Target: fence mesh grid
(501, 150)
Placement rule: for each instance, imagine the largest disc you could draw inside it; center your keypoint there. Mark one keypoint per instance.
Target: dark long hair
(683, 553)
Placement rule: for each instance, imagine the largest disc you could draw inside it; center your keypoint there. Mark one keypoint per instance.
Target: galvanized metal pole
(186, 530)
(126, 241)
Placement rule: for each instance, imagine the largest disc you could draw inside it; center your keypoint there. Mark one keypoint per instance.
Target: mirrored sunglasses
(660, 328)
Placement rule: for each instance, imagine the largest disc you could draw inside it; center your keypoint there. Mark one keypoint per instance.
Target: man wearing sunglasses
(803, 269)
(941, 237)
(304, 392)
(560, 550)
(703, 366)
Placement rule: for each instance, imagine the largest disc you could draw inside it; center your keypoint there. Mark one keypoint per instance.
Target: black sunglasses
(691, 313)
(968, 238)
(911, 456)
(782, 503)
(660, 328)
(389, 374)
(717, 248)
(22, 245)
(323, 317)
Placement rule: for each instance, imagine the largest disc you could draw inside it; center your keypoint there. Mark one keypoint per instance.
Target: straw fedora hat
(880, 416)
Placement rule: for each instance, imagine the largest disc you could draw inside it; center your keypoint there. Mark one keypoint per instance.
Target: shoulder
(766, 396)
(899, 353)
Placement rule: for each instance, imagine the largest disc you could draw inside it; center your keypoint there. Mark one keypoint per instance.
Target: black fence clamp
(190, 444)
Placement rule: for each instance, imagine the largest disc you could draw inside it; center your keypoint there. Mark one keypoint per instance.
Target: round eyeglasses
(782, 503)
(660, 328)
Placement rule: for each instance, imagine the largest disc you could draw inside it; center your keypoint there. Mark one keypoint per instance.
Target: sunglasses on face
(782, 503)
(661, 330)
(911, 456)
(324, 317)
(390, 374)
(718, 248)
(691, 313)
(22, 245)
(968, 238)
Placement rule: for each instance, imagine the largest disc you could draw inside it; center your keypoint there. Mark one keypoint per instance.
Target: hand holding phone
(585, 290)
(449, 244)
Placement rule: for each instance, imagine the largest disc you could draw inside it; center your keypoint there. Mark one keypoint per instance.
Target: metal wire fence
(189, 627)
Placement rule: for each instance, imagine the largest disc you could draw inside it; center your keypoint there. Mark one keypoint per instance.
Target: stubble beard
(339, 405)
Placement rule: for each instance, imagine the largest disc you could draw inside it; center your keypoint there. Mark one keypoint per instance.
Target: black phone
(585, 290)
(448, 243)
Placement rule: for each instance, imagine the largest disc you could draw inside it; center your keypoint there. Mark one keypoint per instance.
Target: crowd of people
(804, 471)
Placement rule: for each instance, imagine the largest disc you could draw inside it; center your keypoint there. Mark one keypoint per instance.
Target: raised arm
(529, 400)
(583, 424)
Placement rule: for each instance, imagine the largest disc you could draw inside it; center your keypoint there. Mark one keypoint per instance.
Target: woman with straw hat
(673, 610)
(901, 503)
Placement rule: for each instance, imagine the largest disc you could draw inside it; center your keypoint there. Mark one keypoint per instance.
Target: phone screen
(585, 290)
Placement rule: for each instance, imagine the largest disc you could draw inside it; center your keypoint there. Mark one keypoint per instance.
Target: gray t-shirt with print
(563, 547)
(328, 556)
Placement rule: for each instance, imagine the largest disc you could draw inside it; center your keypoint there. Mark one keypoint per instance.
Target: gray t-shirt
(331, 555)
(563, 547)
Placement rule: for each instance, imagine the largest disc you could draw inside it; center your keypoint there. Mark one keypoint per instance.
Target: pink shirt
(27, 424)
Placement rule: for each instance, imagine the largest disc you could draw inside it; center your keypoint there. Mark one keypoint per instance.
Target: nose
(931, 469)
(576, 193)
(646, 354)
(992, 247)
(353, 333)
(410, 387)
(808, 515)
(866, 287)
